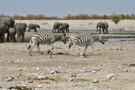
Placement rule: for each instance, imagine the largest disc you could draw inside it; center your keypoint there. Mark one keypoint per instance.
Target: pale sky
(62, 8)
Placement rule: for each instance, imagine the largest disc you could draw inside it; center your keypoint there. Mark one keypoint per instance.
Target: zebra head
(101, 39)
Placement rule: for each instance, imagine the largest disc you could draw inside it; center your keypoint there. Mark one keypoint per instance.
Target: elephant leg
(35, 30)
(67, 30)
(103, 31)
(8, 36)
(11, 38)
(106, 31)
(23, 38)
(1, 37)
(14, 38)
(18, 36)
(99, 30)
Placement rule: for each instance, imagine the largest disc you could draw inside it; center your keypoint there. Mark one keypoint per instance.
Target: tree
(116, 19)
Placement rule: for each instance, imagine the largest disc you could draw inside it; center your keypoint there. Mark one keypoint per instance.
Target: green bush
(116, 19)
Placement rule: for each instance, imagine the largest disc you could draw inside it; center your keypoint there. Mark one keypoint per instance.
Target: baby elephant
(20, 30)
(33, 26)
(12, 34)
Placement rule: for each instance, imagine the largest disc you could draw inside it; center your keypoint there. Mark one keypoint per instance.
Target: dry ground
(65, 70)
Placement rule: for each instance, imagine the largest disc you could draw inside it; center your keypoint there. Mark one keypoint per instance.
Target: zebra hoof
(82, 54)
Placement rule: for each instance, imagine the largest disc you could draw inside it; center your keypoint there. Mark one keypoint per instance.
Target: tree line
(71, 17)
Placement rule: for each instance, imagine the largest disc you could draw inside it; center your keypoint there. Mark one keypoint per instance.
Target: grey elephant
(104, 26)
(3, 30)
(66, 27)
(61, 29)
(56, 26)
(9, 21)
(33, 26)
(20, 30)
(12, 32)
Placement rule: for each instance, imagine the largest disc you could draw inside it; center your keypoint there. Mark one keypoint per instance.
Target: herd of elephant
(7, 25)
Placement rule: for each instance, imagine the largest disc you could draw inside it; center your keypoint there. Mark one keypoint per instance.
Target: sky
(62, 8)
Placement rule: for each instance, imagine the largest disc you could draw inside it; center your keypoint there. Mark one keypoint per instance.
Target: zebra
(45, 39)
(83, 40)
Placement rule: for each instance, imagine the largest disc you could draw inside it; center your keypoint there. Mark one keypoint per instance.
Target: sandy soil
(113, 68)
(123, 25)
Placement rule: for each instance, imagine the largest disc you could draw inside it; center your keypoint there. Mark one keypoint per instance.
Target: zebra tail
(29, 45)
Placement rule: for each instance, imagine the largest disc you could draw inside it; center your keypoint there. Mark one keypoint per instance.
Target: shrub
(116, 19)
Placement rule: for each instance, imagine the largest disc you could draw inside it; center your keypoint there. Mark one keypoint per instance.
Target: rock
(39, 86)
(132, 69)
(53, 72)
(126, 70)
(95, 81)
(60, 53)
(30, 82)
(41, 77)
(111, 76)
(93, 72)
(38, 68)
(10, 78)
(70, 79)
(20, 87)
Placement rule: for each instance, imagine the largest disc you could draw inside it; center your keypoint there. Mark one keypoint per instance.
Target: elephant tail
(29, 45)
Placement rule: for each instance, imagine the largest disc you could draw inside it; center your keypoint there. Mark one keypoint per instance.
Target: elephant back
(7, 21)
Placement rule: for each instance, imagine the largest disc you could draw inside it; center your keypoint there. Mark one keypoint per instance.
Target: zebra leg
(50, 51)
(83, 53)
(32, 46)
(92, 46)
(38, 47)
(74, 46)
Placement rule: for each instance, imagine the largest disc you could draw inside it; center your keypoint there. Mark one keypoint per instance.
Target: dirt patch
(67, 70)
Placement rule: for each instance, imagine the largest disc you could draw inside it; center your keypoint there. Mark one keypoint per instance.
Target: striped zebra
(83, 40)
(45, 39)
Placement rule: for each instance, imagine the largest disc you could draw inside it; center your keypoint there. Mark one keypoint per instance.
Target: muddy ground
(113, 68)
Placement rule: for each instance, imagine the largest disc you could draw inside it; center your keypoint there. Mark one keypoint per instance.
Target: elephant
(56, 26)
(33, 26)
(20, 30)
(3, 30)
(103, 26)
(12, 32)
(9, 21)
(61, 29)
(66, 27)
